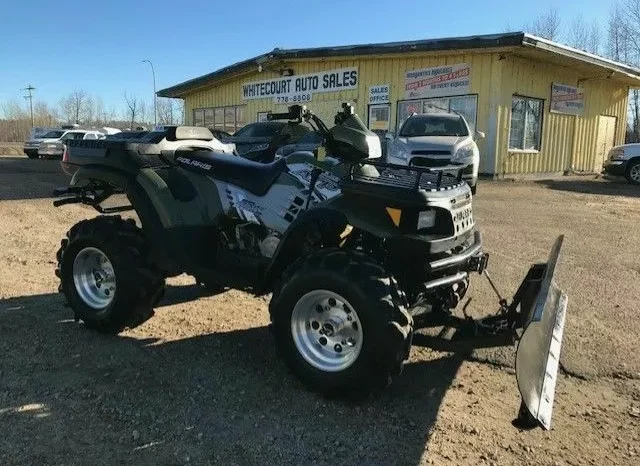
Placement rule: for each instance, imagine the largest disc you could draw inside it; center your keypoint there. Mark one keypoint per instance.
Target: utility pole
(155, 97)
(30, 88)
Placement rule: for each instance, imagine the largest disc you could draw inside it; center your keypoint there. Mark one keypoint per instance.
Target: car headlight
(616, 154)
(375, 148)
(426, 219)
(400, 151)
(463, 152)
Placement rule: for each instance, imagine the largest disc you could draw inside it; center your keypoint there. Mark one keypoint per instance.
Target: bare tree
(133, 106)
(617, 41)
(170, 111)
(593, 42)
(547, 25)
(76, 107)
(578, 36)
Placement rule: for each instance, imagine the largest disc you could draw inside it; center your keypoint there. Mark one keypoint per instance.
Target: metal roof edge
(509, 39)
(532, 40)
(426, 45)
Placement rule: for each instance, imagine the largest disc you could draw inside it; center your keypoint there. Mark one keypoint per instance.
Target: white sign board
(379, 94)
(439, 81)
(567, 99)
(300, 89)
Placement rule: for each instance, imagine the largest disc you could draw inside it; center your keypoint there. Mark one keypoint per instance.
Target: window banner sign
(300, 89)
(567, 99)
(439, 81)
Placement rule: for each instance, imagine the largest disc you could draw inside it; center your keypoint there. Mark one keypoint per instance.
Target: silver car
(436, 140)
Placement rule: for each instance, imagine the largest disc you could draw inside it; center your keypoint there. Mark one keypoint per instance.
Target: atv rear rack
(411, 177)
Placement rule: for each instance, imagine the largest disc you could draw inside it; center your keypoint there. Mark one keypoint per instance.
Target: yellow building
(545, 108)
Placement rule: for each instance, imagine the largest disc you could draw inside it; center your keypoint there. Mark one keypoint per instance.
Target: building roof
(506, 40)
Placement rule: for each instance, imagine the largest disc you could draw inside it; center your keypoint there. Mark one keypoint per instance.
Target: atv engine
(250, 240)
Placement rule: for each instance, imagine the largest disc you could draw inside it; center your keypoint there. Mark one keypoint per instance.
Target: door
(605, 140)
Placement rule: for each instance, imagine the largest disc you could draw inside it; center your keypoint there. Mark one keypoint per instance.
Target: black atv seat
(255, 177)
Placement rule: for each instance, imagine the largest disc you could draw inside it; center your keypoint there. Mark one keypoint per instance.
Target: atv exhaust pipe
(543, 309)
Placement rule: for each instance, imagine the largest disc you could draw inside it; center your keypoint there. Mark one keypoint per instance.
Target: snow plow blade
(543, 308)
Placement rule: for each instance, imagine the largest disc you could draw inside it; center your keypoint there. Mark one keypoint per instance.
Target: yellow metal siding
(559, 152)
(568, 142)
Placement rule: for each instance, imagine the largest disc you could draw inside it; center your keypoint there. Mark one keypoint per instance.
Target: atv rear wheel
(340, 323)
(106, 276)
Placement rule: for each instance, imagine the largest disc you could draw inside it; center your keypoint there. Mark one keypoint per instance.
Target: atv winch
(356, 253)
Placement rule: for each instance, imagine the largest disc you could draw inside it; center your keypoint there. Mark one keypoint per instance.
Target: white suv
(624, 161)
(436, 140)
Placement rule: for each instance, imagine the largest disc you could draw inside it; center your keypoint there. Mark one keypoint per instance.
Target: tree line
(617, 38)
(86, 110)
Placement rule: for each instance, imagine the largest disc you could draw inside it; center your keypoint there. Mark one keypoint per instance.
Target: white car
(53, 147)
(436, 140)
(624, 161)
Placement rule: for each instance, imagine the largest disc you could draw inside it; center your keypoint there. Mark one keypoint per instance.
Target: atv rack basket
(396, 180)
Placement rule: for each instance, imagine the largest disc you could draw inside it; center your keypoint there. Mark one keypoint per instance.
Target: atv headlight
(616, 154)
(464, 152)
(426, 219)
(375, 148)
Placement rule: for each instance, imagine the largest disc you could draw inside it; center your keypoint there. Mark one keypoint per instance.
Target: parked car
(259, 141)
(307, 143)
(36, 137)
(624, 161)
(52, 147)
(436, 140)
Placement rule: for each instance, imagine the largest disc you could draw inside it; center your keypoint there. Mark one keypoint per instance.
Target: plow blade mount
(543, 308)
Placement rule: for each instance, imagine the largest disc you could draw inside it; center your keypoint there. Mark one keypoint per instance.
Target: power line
(30, 88)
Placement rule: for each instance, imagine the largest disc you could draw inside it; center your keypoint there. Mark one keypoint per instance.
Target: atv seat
(255, 177)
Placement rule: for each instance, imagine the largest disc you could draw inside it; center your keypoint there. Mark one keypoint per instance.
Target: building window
(379, 117)
(465, 105)
(229, 119)
(198, 117)
(526, 123)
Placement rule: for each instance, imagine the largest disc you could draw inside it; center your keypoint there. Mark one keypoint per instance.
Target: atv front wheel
(106, 276)
(340, 323)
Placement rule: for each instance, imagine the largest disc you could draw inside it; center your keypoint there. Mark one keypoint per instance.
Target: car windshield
(434, 125)
(53, 135)
(259, 130)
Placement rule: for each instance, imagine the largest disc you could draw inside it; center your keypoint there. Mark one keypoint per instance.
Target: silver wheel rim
(326, 330)
(94, 278)
(634, 173)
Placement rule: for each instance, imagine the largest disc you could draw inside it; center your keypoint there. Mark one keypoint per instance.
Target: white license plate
(462, 219)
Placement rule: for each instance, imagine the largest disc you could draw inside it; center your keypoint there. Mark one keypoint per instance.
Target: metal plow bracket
(538, 354)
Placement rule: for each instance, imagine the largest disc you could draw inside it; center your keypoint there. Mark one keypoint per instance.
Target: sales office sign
(300, 89)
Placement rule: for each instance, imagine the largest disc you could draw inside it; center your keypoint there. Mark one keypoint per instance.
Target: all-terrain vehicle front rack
(394, 181)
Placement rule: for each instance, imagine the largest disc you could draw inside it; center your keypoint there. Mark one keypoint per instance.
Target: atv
(358, 254)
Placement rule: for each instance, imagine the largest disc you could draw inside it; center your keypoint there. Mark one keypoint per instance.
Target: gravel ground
(200, 382)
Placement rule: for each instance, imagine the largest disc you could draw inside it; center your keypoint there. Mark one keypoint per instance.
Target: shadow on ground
(593, 186)
(219, 398)
(24, 178)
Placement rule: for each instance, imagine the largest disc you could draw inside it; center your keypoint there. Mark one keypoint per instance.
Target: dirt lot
(200, 382)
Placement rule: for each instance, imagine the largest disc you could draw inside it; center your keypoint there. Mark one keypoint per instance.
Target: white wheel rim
(326, 330)
(94, 278)
(634, 173)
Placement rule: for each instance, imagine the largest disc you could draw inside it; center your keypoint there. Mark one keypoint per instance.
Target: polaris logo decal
(194, 163)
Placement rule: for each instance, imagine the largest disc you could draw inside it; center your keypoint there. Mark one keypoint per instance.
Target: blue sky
(59, 46)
